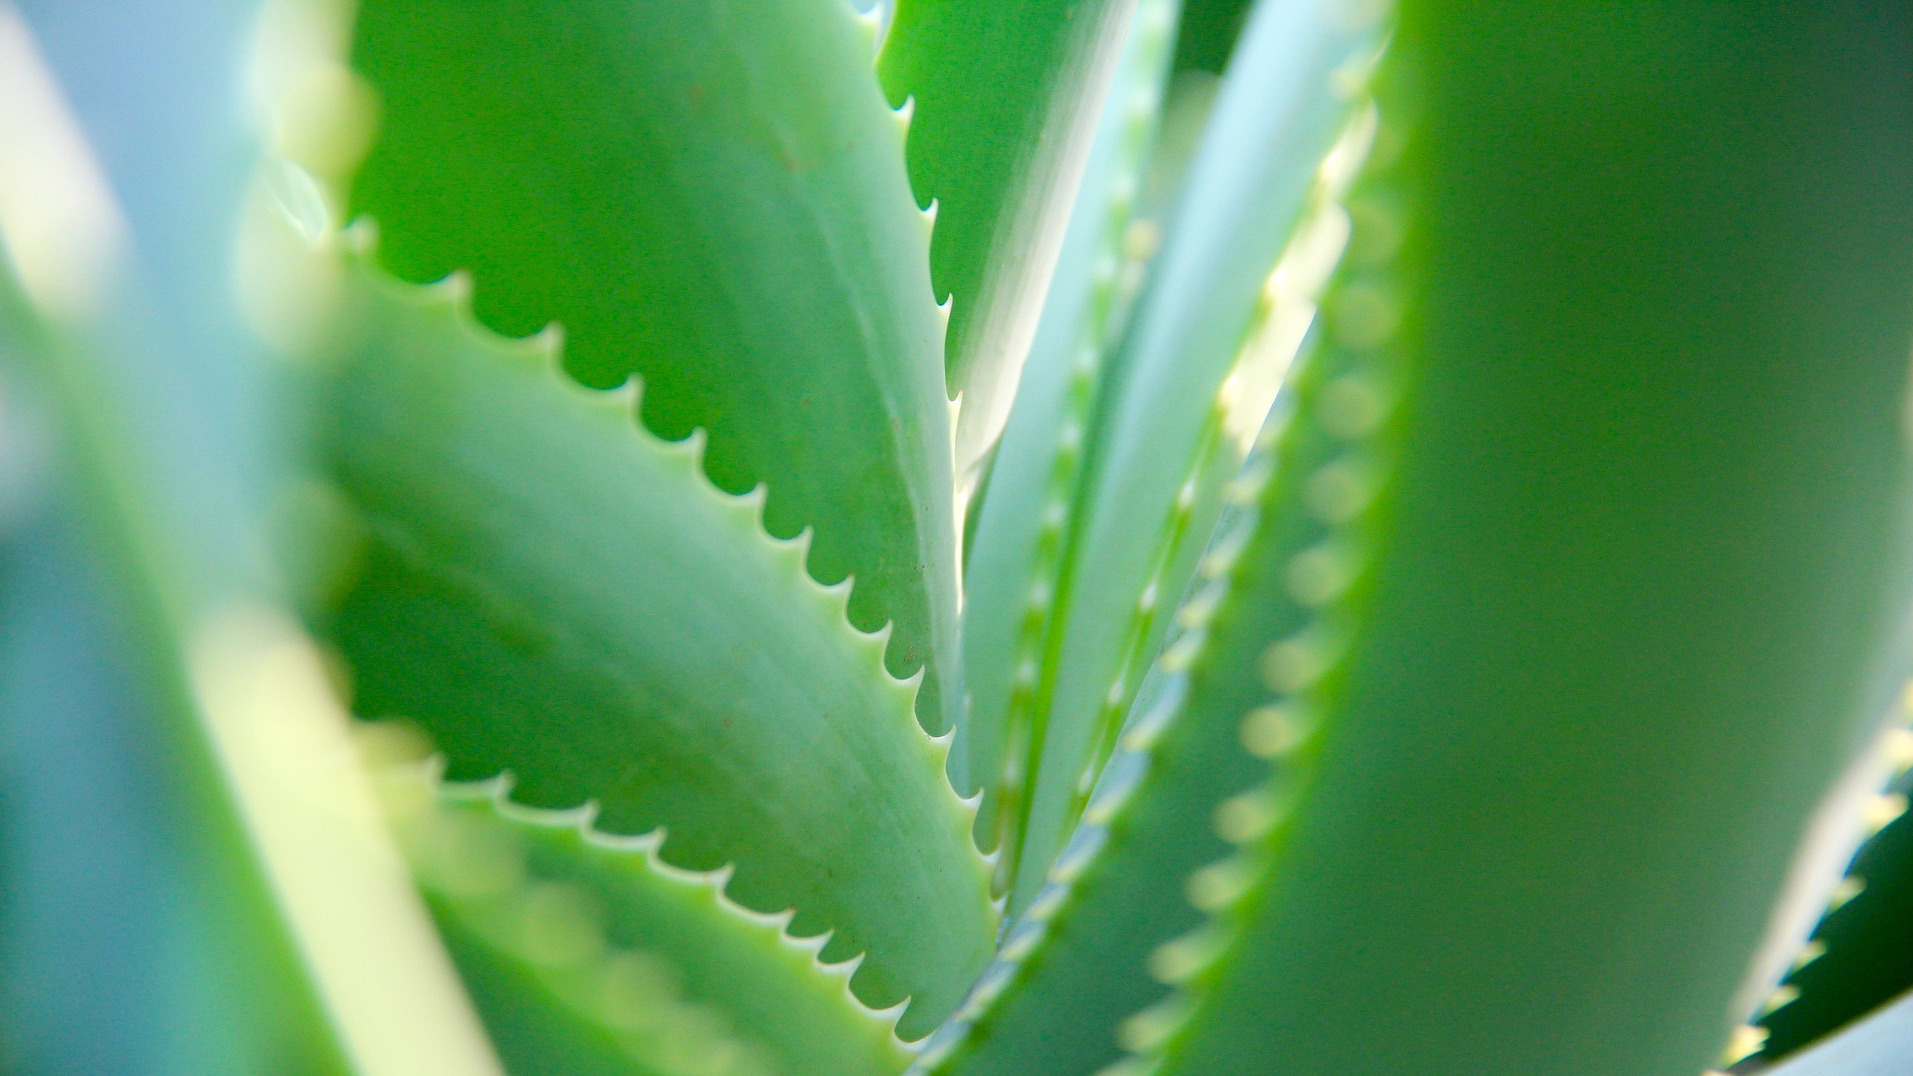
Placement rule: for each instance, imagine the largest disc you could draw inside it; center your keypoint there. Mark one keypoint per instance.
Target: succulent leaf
(550, 590)
(1875, 1046)
(1419, 494)
(710, 195)
(772, 1004)
(1005, 96)
(109, 872)
(556, 1016)
(555, 996)
(1147, 860)
(1861, 953)
(126, 167)
(1210, 29)
(1604, 678)
(1011, 566)
(1190, 386)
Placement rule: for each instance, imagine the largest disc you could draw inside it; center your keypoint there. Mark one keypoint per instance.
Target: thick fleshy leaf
(560, 1019)
(552, 591)
(1875, 1046)
(712, 196)
(1078, 963)
(556, 994)
(1211, 335)
(1004, 96)
(1208, 34)
(110, 888)
(125, 161)
(1628, 288)
(1861, 954)
(767, 991)
(1014, 555)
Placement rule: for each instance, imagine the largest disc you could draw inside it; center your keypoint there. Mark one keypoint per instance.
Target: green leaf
(713, 196)
(550, 590)
(128, 169)
(112, 885)
(556, 994)
(1189, 387)
(1210, 29)
(1875, 1046)
(1011, 568)
(1628, 289)
(1081, 959)
(565, 1018)
(739, 969)
(1187, 102)
(1861, 953)
(1004, 98)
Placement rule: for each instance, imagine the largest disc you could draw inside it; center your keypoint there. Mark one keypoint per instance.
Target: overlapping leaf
(126, 165)
(1188, 388)
(1082, 960)
(552, 591)
(1609, 667)
(706, 977)
(1861, 953)
(1016, 548)
(1874, 1046)
(711, 195)
(1005, 96)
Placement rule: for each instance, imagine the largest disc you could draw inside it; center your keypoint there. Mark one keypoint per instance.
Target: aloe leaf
(1188, 389)
(548, 1018)
(1861, 954)
(1004, 96)
(1210, 29)
(1187, 101)
(1080, 961)
(711, 196)
(551, 590)
(1636, 592)
(126, 166)
(556, 994)
(1875, 1046)
(1010, 569)
(1083, 957)
(107, 889)
(740, 969)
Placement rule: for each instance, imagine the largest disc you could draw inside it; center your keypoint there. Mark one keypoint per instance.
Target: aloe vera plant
(1043, 538)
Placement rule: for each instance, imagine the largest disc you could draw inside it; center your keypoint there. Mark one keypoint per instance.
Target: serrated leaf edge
(1111, 291)
(647, 848)
(1257, 358)
(873, 25)
(1129, 767)
(454, 293)
(1304, 670)
(1882, 810)
(514, 897)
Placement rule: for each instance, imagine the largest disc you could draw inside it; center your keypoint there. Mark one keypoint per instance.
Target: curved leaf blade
(1004, 97)
(1080, 961)
(767, 989)
(1014, 557)
(1861, 952)
(549, 590)
(1875, 1046)
(1190, 386)
(1639, 596)
(118, 218)
(712, 196)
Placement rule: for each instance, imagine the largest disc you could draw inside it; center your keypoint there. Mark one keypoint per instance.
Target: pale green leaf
(550, 590)
(711, 195)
